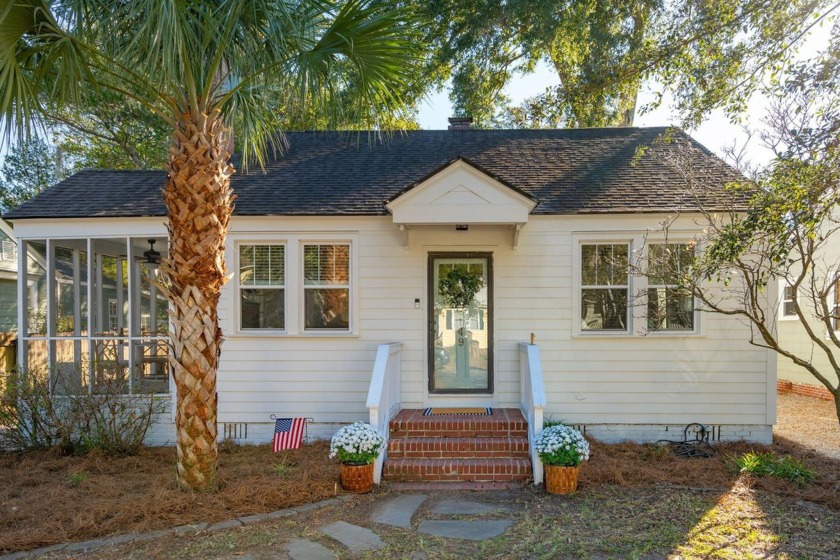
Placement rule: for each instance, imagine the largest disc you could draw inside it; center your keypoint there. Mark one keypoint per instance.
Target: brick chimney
(460, 123)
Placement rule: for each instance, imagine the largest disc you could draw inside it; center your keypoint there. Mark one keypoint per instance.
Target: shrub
(767, 464)
(49, 412)
(562, 446)
(357, 443)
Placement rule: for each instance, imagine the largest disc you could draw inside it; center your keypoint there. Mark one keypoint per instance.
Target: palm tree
(199, 66)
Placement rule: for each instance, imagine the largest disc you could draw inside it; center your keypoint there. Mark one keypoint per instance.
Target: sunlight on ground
(736, 527)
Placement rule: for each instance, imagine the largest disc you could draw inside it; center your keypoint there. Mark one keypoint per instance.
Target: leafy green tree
(28, 168)
(706, 54)
(788, 230)
(201, 68)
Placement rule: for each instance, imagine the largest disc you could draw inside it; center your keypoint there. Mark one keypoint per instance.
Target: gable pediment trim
(461, 192)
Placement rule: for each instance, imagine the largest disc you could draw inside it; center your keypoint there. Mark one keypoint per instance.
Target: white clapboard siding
(714, 376)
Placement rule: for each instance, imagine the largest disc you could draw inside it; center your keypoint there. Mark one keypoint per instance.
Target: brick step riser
(458, 448)
(443, 470)
(402, 433)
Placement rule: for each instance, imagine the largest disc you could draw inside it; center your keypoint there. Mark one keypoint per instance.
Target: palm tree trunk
(199, 203)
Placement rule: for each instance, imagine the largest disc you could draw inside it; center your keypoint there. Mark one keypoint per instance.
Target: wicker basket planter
(357, 478)
(561, 480)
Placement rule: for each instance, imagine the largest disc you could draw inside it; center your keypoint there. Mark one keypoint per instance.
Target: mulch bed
(634, 465)
(47, 499)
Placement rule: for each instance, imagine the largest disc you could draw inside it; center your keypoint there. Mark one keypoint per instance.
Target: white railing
(383, 400)
(532, 400)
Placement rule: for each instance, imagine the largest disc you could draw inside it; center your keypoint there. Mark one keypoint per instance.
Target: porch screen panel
(36, 293)
(326, 281)
(262, 286)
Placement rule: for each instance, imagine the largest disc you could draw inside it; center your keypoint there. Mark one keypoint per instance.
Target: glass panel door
(460, 326)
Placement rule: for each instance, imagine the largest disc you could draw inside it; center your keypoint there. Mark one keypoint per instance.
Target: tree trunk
(199, 203)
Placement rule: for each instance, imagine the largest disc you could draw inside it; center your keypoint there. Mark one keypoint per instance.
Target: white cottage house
(348, 254)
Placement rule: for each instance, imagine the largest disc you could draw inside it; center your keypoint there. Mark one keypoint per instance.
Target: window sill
(637, 336)
(284, 334)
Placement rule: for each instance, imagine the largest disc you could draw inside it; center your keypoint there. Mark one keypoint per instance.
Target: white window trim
(303, 288)
(294, 302)
(577, 285)
(783, 285)
(237, 299)
(637, 313)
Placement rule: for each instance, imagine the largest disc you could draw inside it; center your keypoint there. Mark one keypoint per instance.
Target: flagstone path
(398, 511)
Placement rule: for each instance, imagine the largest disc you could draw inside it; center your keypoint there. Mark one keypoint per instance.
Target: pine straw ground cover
(46, 498)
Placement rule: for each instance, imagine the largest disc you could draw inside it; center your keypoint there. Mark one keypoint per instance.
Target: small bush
(48, 412)
(77, 478)
(767, 464)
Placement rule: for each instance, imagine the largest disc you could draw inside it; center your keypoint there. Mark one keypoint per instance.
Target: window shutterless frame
(240, 286)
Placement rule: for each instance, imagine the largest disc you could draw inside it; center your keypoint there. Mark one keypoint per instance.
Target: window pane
(262, 265)
(604, 265)
(262, 309)
(670, 309)
(327, 308)
(326, 265)
(603, 309)
(668, 261)
(788, 308)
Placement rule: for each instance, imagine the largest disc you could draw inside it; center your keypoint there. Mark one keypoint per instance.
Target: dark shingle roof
(330, 173)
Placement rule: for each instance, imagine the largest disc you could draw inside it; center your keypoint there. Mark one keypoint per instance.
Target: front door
(460, 323)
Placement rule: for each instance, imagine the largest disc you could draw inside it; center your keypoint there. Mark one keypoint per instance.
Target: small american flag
(288, 432)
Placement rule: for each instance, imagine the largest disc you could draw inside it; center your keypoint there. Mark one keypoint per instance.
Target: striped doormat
(466, 411)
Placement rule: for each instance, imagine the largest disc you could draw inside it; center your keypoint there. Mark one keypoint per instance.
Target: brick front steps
(458, 449)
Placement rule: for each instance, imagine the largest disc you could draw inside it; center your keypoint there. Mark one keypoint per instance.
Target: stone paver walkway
(398, 511)
(301, 549)
(355, 538)
(471, 530)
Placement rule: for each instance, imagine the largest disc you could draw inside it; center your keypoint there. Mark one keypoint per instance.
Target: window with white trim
(262, 287)
(605, 283)
(834, 304)
(669, 307)
(788, 301)
(326, 286)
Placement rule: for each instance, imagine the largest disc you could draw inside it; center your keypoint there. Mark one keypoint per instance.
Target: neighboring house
(8, 279)
(794, 337)
(341, 245)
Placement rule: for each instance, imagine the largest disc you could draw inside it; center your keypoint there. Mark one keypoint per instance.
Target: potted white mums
(561, 449)
(356, 446)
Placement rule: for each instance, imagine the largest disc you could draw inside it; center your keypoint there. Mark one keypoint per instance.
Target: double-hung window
(604, 287)
(669, 307)
(326, 286)
(262, 287)
(788, 301)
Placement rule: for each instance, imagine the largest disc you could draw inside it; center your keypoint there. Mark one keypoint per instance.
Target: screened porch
(91, 315)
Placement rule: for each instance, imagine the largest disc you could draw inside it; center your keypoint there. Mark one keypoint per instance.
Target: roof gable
(461, 193)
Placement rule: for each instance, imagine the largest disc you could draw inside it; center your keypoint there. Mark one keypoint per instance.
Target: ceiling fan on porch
(151, 257)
